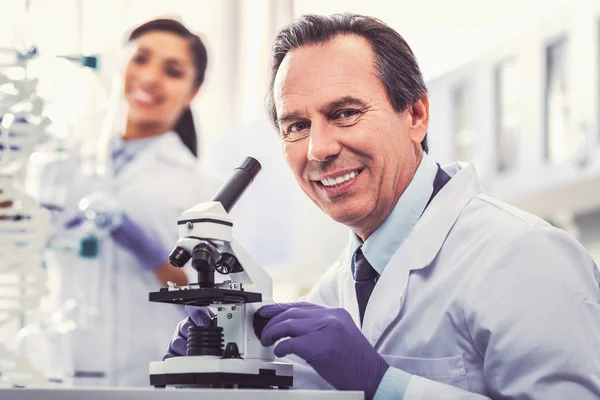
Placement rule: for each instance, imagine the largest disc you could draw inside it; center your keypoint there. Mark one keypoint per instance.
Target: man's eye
(297, 127)
(347, 113)
(296, 131)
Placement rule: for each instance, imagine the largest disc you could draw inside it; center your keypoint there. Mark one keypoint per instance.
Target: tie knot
(363, 271)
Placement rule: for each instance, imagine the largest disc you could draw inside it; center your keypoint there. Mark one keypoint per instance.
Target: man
(443, 291)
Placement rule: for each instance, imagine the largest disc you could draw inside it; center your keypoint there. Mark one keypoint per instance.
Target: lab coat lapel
(141, 165)
(348, 293)
(419, 250)
(349, 301)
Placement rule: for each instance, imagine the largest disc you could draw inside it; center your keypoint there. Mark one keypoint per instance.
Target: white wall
(446, 34)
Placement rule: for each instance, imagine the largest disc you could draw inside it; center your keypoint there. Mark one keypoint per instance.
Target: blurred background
(514, 88)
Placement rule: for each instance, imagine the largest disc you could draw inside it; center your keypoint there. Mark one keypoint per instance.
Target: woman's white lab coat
(153, 189)
(481, 298)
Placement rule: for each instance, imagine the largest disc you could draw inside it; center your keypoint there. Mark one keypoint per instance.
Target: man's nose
(323, 143)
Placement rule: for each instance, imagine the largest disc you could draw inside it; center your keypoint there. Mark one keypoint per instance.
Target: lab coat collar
(419, 249)
(167, 148)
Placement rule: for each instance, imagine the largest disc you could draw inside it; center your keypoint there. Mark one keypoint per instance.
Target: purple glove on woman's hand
(329, 341)
(197, 316)
(148, 250)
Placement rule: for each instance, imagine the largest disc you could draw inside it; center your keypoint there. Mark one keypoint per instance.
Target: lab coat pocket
(448, 370)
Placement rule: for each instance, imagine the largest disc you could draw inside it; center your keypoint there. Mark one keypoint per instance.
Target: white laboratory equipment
(24, 225)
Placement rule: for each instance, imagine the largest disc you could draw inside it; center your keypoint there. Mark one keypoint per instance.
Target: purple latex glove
(197, 316)
(74, 222)
(328, 340)
(147, 250)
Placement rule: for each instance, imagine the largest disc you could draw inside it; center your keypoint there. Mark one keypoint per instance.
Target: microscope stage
(204, 297)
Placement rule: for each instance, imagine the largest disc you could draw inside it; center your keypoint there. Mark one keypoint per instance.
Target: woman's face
(159, 79)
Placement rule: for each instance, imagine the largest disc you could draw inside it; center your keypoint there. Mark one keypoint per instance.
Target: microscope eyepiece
(237, 183)
(179, 257)
(251, 165)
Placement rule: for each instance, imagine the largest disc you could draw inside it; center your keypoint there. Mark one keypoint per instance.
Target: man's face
(349, 150)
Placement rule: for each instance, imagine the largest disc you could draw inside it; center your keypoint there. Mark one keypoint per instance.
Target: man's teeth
(339, 179)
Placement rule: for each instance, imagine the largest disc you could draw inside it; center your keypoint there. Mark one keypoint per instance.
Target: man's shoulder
(510, 235)
(491, 226)
(495, 215)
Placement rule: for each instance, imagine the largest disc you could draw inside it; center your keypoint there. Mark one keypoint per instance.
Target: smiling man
(443, 292)
(352, 153)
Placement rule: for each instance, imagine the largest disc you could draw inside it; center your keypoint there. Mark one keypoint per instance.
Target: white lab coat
(153, 189)
(482, 299)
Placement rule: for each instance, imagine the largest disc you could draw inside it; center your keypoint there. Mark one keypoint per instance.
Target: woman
(153, 177)
(159, 141)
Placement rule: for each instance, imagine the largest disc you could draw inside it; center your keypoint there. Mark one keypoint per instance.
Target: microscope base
(215, 372)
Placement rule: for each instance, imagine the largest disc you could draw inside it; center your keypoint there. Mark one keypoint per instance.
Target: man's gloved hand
(328, 340)
(197, 316)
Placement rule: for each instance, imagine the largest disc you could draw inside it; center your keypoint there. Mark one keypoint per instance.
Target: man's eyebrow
(341, 102)
(326, 109)
(290, 117)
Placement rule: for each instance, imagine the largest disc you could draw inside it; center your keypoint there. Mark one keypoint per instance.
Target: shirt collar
(123, 151)
(133, 146)
(379, 248)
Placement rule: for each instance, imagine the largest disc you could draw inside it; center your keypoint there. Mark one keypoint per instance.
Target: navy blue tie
(365, 278)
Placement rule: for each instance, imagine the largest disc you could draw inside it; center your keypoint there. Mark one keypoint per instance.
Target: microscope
(227, 354)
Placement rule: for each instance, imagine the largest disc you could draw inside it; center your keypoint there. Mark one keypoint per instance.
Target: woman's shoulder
(171, 152)
(186, 179)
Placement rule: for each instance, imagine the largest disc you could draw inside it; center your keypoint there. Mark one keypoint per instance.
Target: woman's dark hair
(395, 64)
(185, 126)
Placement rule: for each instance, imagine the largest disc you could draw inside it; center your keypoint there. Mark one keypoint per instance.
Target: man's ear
(419, 113)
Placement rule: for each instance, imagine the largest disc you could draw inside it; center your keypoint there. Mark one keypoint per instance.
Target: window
(462, 124)
(507, 81)
(560, 142)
